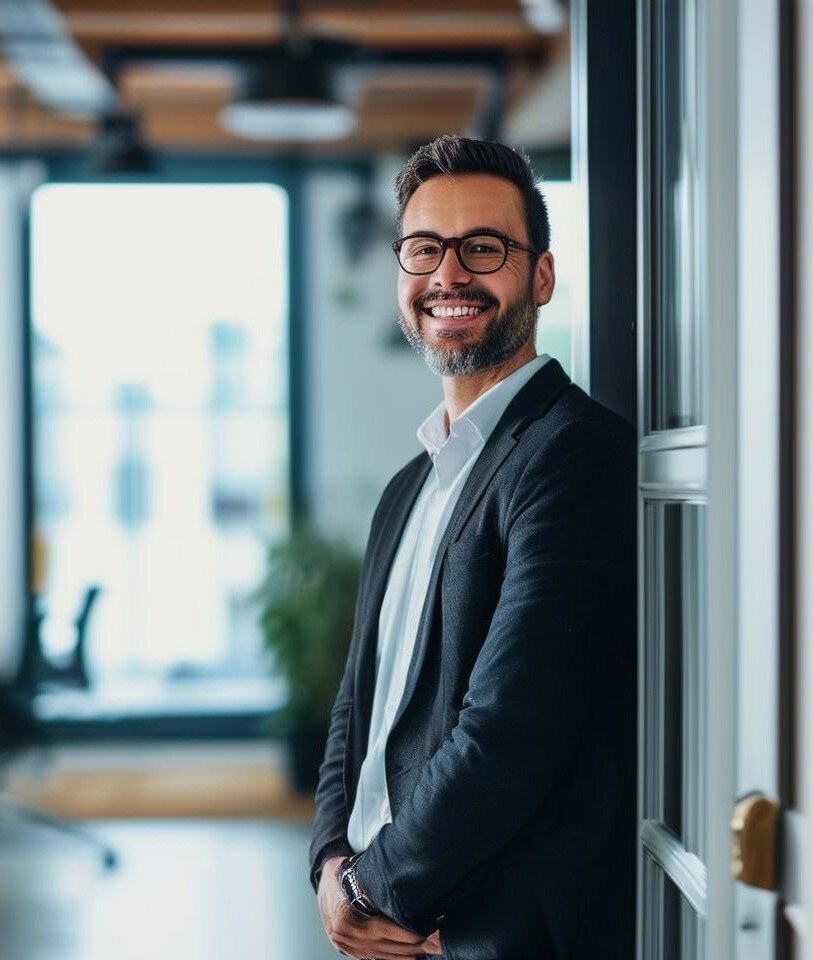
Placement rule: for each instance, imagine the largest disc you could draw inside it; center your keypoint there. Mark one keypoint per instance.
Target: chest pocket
(470, 589)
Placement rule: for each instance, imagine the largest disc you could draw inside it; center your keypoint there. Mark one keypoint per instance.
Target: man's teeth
(456, 311)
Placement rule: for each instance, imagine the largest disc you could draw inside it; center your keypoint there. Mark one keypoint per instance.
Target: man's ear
(544, 278)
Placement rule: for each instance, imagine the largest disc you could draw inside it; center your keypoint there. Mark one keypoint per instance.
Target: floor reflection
(184, 890)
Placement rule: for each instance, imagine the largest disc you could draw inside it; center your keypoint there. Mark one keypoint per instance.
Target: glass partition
(160, 420)
(676, 398)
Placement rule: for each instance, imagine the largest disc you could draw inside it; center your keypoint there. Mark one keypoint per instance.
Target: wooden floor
(183, 890)
(192, 791)
(200, 780)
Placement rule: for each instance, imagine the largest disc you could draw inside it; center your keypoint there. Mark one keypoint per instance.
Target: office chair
(20, 731)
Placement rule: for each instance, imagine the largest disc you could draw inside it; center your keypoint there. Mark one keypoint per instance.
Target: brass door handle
(754, 823)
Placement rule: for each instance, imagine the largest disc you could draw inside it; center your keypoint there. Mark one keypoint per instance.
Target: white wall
(365, 399)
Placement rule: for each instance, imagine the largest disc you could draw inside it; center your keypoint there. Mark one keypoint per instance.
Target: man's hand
(431, 944)
(360, 937)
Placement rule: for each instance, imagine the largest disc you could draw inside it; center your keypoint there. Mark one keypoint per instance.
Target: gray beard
(509, 331)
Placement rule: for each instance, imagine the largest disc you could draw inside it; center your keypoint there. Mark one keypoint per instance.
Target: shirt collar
(476, 423)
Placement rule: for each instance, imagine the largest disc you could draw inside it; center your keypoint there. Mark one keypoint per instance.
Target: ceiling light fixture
(289, 97)
(119, 147)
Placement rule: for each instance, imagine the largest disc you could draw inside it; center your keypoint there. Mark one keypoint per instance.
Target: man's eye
(482, 248)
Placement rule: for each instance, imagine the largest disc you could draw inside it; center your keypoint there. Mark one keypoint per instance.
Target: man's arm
(329, 831)
(531, 686)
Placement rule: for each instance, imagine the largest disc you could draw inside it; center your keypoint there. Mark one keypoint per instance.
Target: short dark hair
(451, 154)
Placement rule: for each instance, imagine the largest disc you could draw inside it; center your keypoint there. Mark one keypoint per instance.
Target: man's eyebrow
(439, 236)
(486, 230)
(423, 233)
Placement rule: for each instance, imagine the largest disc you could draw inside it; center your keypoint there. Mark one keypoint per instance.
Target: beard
(501, 339)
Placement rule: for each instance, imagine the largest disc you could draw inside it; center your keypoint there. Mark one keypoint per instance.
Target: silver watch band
(348, 881)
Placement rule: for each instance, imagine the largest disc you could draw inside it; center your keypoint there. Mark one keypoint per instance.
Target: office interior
(205, 389)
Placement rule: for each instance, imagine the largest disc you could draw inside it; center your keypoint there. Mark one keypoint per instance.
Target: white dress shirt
(453, 454)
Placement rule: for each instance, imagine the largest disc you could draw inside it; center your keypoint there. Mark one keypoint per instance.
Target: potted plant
(307, 604)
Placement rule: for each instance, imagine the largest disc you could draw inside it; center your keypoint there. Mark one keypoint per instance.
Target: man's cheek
(407, 292)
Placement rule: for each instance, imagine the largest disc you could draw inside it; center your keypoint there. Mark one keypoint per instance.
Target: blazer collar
(534, 399)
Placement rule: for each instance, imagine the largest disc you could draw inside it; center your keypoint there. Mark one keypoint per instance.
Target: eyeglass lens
(480, 254)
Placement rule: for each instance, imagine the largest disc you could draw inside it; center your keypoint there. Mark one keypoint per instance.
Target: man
(477, 795)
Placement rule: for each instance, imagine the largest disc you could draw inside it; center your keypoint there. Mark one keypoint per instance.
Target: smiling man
(477, 795)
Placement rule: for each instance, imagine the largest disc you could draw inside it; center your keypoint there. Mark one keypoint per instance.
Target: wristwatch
(352, 889)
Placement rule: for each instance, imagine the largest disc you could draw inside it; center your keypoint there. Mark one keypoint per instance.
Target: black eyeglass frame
(454, 243)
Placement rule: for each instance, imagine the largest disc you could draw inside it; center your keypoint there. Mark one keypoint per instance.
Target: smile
(462, 310)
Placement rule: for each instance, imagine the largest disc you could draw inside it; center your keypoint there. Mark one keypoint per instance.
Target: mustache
(472, 294)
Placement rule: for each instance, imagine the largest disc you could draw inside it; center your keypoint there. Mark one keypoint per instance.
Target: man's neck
(460, 392)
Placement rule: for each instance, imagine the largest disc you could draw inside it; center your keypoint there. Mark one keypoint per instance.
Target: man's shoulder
(576, 437)
(577, 458)
(577, 418)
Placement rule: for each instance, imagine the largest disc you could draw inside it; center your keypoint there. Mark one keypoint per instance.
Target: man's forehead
(464, 202)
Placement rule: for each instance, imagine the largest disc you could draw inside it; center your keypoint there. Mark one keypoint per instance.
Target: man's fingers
(379, 952)
(365, 947)
(387, 931)
(377, 937)
(378, 928)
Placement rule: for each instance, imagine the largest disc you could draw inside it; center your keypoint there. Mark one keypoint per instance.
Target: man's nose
(450, 270)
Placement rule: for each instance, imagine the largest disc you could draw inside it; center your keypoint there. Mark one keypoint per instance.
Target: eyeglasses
(482, 252)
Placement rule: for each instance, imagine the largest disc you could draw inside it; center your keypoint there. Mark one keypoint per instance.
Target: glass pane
(672, 917)
(558, 320)
(673, 637)
(693, 614)
(676, 353)
(671, 929)
(674, 726)
(159, 350)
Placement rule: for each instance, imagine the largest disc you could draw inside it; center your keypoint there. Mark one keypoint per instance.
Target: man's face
(507, 299)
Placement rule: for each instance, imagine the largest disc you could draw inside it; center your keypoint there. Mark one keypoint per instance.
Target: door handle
(754, 849)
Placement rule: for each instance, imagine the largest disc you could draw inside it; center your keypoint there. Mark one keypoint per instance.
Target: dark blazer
(511, 760)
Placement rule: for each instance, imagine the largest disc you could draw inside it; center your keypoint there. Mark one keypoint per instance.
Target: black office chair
(20, 731)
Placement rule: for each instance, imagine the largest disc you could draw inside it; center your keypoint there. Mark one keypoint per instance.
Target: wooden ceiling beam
(378, 28)
(361, 8)
(35, 125)
(199, 123)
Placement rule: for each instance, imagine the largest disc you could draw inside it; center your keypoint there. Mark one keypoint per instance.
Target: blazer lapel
(532, 402)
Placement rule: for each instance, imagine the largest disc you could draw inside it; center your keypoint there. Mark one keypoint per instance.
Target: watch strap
(352, 889)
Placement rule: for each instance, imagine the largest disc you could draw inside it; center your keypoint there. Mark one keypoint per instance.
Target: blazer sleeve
(329, 830)
(570, 521)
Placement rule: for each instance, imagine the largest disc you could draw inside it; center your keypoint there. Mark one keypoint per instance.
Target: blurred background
(204, 390)
(196, 213)
(213, 343)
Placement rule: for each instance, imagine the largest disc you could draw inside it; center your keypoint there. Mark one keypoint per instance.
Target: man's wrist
(352, 889)
(328, 867)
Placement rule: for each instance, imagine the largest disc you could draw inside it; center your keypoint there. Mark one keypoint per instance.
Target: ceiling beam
(404, 30)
